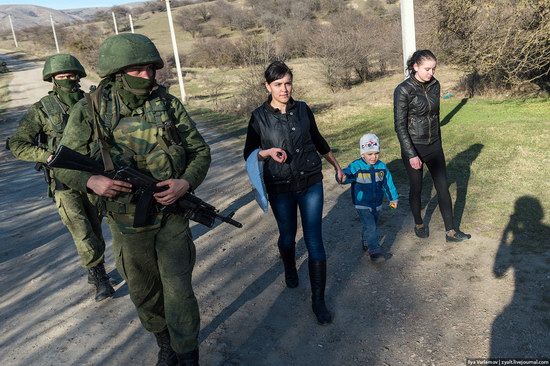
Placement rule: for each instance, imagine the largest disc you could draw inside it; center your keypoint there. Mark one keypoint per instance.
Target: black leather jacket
(416, 114)
(291, 132)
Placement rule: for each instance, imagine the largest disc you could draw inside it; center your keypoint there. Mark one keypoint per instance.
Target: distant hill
(26, 16)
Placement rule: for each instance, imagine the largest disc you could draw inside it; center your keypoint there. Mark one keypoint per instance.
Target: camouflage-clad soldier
(131, 121)
(37, 138)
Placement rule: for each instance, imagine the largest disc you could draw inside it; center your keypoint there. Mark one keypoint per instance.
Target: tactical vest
(290, 132)
(147, 140)
(57, 113)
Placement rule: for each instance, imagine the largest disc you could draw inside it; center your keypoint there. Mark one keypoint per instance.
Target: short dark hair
(417, 57)
(276, 70)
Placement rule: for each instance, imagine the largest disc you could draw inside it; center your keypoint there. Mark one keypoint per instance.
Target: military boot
(189, 358)
(166, 355)
(98, 277)
(112, 281)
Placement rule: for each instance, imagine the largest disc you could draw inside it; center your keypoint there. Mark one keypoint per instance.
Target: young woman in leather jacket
(289, 143)
(416, 119)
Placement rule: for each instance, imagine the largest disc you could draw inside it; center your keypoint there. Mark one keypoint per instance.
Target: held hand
(340, 176)
(416, 163)
(275, 153)
(49, 158)
(176, 189)
(107, 187)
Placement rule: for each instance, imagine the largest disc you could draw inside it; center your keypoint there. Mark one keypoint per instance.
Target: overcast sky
(64, 4)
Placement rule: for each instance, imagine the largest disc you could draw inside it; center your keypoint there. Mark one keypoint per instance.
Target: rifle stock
(143, 186)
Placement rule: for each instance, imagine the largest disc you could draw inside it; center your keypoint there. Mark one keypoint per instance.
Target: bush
(289, 43)
(349, 52)
(233, 17)
(499, 43)
(83, 43)
(213, 52)
(168, 73)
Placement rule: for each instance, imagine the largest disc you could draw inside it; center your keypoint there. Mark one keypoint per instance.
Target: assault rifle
(143, 188)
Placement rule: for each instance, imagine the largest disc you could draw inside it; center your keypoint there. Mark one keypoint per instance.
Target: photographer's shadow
(523, 328)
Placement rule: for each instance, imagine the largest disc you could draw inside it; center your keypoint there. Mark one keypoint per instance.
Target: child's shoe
(421, 231)
(456, 236)
(376, 257)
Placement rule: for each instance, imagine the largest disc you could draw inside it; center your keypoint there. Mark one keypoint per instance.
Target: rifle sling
(104, 148)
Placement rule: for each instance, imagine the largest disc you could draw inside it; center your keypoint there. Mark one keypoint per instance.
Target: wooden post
(13, 32)
(131, 22)
(54, 35)
(114, 22)
(407, 31)
(176, 53)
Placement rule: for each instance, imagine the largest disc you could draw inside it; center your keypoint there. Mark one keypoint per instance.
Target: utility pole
(114, 22)
(176, 53)
(54, 35)
(131, 22)
(13, 32)
(407, 31)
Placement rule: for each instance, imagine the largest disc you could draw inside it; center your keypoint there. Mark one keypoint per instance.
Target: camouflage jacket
(48, 117)
(132, 135)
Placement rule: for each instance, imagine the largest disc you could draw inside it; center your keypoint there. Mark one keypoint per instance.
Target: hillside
(26, 16)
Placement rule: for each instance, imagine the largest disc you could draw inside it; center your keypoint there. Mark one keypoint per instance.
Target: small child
(370, 179)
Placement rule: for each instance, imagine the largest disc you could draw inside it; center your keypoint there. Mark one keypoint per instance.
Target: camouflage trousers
(157, 265)
(83, 220)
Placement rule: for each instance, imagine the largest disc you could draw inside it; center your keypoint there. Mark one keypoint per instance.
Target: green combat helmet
(62, 63)
(123, 50)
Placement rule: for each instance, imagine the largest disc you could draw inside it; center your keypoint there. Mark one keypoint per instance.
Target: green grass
(497, 150)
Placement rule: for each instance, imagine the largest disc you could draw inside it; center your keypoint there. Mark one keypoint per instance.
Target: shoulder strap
(172, 136)
(94, 101)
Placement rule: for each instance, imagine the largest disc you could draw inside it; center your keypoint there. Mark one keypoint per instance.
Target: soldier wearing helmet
(131, 121)
(37, 138)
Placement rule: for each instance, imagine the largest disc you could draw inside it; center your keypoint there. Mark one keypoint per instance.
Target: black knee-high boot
(318, 280)
(289, 261)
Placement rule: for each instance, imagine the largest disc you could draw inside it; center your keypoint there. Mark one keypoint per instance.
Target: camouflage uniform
(47, 119)
(156, 260)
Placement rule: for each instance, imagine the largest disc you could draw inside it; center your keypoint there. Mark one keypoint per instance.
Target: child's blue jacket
(369, 183)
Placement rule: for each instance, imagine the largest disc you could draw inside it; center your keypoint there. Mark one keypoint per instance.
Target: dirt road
(430, 303)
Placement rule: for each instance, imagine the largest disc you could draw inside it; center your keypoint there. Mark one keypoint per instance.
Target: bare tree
(499, 43)
(189, 22)
(351, 45)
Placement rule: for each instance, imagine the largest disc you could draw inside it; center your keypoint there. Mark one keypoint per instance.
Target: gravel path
(430, 303)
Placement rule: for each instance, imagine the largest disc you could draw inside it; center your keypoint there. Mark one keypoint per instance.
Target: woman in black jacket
(289, 143)
(416, 119)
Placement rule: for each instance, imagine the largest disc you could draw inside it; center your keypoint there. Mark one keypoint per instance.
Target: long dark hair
(417, 57)
(276, 70)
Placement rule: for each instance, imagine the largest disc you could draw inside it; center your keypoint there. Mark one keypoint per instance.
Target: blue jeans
(369, 235)
(310, 203)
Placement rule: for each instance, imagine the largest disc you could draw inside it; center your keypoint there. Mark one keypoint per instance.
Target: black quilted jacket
(416, 114)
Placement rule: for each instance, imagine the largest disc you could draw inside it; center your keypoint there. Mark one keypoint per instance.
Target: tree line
(499, 44)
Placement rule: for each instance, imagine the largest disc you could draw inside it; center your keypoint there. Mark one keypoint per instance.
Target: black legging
(432, 156)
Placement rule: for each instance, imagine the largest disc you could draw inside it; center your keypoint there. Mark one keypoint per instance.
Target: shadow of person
(523, 327)
(452, 113)
(459, 170)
